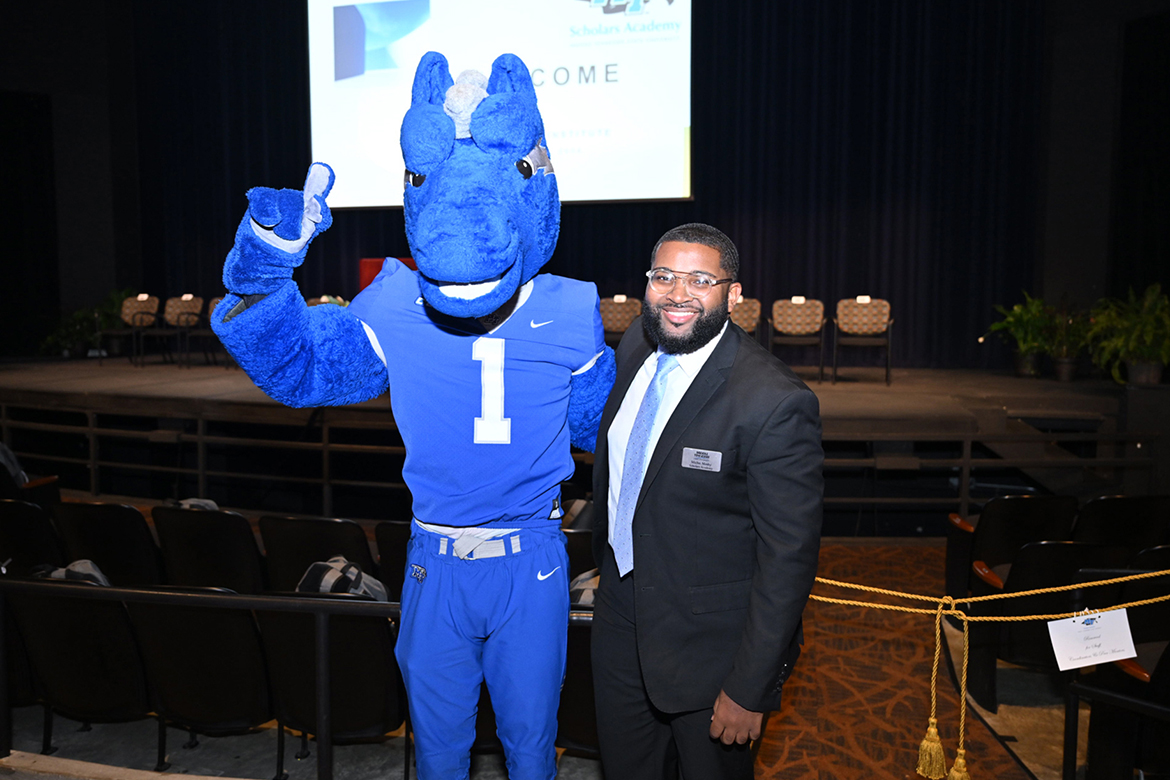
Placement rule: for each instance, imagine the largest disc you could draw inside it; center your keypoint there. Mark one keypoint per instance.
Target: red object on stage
(370, 266)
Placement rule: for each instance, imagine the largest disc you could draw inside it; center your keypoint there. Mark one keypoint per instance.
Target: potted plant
(1067, 335)
(1135, 332)
(1027, 325)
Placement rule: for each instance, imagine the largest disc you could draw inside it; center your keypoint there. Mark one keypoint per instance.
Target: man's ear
(734, 292)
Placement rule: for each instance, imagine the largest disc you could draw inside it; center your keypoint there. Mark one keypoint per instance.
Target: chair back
(180, 313)
(1136, 522)
(1151, 622)
(205, 665)
(367, 699)
(1007, 523)
(115, 537)
(292, 544)
(746, 314)
(140, 313)
(616, 317)
(209, 549)
(580, 547)
(392, 538)
(863, 319)
(1044, 565)
(798, 319)
(577, 716)
(27, 538)
(84, 654)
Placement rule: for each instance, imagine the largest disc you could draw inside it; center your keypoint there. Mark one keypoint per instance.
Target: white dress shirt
(677, 383)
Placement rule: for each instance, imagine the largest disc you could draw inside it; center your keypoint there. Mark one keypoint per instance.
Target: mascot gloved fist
(493, 369)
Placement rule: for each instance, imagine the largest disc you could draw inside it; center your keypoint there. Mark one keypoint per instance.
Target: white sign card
(1096, 638)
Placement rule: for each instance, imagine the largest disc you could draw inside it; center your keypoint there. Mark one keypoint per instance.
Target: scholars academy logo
(621, 6)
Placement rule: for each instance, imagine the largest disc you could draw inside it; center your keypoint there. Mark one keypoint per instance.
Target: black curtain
(884, 147)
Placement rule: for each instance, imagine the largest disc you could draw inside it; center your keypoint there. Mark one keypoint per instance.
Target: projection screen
(613, 80)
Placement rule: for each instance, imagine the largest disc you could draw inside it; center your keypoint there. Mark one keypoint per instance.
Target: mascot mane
(481, 203)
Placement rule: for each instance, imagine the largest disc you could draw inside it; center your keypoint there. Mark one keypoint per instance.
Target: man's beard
(706, 327)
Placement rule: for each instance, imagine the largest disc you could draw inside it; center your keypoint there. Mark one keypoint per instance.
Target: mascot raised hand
(492, 370)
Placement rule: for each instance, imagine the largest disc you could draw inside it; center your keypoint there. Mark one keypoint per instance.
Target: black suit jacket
(723, 561)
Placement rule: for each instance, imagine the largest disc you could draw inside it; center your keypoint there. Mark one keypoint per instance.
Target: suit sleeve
(786, 493)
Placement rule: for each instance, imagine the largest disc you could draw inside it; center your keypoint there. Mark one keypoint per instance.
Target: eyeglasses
(699, 285)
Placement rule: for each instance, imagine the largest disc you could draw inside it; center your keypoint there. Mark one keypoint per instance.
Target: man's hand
(731, 723)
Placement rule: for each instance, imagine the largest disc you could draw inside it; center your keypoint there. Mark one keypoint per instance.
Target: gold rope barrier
(931, 756)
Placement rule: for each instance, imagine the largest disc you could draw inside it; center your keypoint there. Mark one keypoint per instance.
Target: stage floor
(940, 401)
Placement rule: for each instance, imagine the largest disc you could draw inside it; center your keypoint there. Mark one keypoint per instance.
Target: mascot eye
(525, 168)
(413, 179)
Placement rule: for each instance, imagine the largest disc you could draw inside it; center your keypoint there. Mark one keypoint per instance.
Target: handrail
(322, 609)
(327, 421)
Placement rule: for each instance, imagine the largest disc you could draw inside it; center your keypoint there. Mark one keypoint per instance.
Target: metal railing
(331, 420)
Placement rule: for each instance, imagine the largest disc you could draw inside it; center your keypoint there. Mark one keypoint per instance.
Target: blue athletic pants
(501, 619)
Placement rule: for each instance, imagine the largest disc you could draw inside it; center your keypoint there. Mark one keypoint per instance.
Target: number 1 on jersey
(492, 427)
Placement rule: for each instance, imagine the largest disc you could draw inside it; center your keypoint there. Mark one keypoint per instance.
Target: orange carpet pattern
(858, 703)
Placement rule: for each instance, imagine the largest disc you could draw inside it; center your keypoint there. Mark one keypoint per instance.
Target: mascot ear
(507, 121)
(432, 80)
(510, 74)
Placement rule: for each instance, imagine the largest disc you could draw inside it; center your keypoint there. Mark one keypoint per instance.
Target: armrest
(1134, 669)
(984, 572)
(960, 523)
(40, 481)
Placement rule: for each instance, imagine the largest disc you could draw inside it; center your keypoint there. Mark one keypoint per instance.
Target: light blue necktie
(635, 465)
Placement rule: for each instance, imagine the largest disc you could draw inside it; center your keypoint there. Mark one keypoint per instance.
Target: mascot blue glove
(493, 369)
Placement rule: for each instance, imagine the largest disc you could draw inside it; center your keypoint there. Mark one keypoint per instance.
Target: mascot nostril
(493, 378)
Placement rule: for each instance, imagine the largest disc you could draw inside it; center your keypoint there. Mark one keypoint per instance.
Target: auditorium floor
(856, 708)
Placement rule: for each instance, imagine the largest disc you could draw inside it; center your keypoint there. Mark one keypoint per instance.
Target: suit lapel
(709, 379)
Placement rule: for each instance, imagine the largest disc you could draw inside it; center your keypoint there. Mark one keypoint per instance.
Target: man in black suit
(708, 494)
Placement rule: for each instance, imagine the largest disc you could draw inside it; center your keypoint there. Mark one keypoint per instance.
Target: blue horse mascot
(493, 370)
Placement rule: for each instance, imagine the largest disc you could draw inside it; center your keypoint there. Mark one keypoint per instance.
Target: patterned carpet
(858, 703)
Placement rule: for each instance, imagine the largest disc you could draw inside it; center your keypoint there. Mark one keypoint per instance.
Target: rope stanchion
(932, 759)
(931, 755)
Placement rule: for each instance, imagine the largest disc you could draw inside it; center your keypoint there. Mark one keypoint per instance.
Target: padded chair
(1136, 522)
(860, 324)
(203, 334)
(181, 315)
(1026, 643)
(206, 670)
(84, 655)
(580, 546)
(392, 537)
(367, 699)
(799, 322)
(43, 491)
(291, 544)
(746, 315)
(139, 312)
(616, 317)
(1005, 525)
(577, 716)
(115, 537)
(209, 549)
(1120, 739)
(27, 538)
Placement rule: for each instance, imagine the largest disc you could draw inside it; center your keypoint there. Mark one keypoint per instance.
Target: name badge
(703, 460)
(1086, 640)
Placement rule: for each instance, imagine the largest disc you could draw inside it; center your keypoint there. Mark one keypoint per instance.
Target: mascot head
(482, 211)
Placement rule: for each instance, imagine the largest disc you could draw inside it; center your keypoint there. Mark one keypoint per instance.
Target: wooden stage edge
(917, 402)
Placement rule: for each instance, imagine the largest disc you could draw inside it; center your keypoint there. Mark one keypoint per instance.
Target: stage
(898, 457)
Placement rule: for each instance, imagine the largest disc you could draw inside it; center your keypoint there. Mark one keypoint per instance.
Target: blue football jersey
(483, 414)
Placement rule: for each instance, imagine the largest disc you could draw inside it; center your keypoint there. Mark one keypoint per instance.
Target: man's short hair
(699, 233)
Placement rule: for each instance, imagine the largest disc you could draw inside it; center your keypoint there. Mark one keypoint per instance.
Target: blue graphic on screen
(362, 34)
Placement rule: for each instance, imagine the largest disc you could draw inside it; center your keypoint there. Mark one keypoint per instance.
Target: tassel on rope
(959, 770)
(932, 761)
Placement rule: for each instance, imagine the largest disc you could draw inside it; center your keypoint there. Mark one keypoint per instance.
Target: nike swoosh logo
(542, 576)
(536, 324)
